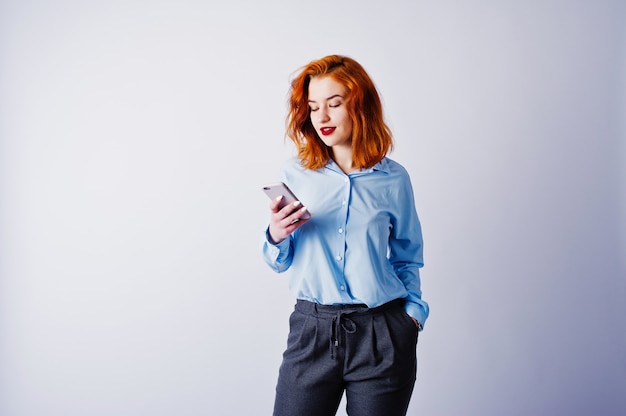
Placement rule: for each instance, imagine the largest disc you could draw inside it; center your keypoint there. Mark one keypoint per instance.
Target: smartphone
(276, 189)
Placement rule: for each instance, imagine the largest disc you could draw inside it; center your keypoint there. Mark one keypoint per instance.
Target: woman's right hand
(285, 221)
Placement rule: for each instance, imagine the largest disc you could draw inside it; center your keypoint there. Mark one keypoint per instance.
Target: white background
(134, 140)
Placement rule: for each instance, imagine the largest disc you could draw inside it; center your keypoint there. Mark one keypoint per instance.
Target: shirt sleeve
(406, 252)
(277, 256)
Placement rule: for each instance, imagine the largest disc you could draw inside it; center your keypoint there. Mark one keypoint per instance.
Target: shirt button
(343, 203)
(338, 258)
(342, 287)
(345, 180)
(340, 231)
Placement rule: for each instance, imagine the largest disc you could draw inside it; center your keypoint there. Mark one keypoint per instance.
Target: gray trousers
(368, 353)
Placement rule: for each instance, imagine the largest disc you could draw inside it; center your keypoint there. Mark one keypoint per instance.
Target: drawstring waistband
(338, 314)
(343, 322)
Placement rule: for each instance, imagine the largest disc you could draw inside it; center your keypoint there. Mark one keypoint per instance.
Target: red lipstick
(327, 130)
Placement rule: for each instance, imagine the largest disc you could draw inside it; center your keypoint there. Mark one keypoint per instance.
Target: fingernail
(296, 203)
(279, 197)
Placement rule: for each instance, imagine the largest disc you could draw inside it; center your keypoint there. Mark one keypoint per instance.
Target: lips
(327, 130)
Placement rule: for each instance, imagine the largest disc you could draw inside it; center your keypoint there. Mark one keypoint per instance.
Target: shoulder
(394, 168)
(398, 178)
(293, 170)
(292, 165)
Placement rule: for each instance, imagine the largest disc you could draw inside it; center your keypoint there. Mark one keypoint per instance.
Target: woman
(355, 263)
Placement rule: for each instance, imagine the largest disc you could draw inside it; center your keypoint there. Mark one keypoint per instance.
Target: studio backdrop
(135, 137)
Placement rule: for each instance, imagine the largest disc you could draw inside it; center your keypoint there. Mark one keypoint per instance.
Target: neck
(343, 158)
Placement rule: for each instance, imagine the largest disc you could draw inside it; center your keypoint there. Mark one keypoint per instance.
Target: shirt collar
(382, 166)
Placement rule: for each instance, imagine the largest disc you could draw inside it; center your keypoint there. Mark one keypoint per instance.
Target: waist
(358, 309)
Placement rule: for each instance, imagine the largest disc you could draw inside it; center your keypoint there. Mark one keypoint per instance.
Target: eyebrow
(329, 98)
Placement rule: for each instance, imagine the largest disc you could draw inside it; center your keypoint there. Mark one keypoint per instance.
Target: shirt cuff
(271, 242)
(416, 310)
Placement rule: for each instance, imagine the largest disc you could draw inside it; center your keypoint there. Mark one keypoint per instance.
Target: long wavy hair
(371, 137)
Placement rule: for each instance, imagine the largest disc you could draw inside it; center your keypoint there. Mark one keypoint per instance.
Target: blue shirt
(363, 243)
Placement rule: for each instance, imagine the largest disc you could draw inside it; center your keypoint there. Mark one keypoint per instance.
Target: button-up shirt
(363, 243)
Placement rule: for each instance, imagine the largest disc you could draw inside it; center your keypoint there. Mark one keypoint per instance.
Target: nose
(322, 115)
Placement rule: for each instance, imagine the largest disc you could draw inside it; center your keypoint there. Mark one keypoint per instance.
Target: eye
(335, 105)
(313, 109)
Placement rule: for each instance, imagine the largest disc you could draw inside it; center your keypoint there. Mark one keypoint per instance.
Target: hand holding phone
(280, 189)
(278, 229)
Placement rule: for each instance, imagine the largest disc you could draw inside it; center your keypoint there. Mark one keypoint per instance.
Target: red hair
(371, 137)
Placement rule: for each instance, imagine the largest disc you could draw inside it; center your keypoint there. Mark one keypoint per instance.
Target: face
(329, 114)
